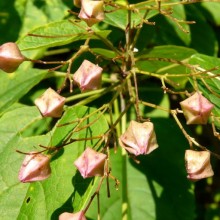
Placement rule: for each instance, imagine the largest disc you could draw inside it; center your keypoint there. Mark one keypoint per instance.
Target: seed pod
(88, 76)
(91, 163)
(10, 57)
(50, 104)
(196, 109)
(35, 167)
(92, 11)
(72, 216)
(139, 138)
(198, 165)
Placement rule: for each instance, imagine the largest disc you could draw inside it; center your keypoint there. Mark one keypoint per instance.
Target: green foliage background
(156, 188)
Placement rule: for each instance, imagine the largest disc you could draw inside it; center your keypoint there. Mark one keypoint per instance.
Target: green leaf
(212, 91)
(175, 53)
(104, 52)
(45, 11)
(57, 34)
(12, 124)
(65, 190)
(53, 9)
(180, 14)
(172, 30)
(15, 85)
(157, 188)
(155, 96)
(25, 12)
(211, 10)
(119, 18)
(203, 38)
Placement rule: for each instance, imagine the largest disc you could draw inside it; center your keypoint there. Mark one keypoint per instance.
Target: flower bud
(88, 76)
(92, 11)
(91, 163)
(139, 138)
(198, 165)
(35, 167)
(196, 109)
(50, 104)
(72, 216)
(10, 57)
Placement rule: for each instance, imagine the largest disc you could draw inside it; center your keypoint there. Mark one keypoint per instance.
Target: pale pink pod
(35, 167)
(88, 76)
(92, 11)
(198, 165)
(139, 138)
(50, 104)
(91, 163)
(72, 216)
(196, 109)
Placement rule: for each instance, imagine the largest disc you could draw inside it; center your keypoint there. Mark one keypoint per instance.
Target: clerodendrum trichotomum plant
(109, 110)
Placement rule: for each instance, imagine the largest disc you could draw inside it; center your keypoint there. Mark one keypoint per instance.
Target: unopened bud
(92, 11)
(196, 109)
(91, 163)
(198, 165)
(88, 76)
(72, 216)
(139, 138)
(35, 167)
(50, 104)
(10, 57)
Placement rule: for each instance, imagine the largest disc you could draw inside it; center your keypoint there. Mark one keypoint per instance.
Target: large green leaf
(160, 66)
(170, 29)
(12, 124)
(44, 11)
(57, 34)
(152, 191)
(15, 85)
(166, 30)
(203, 38)
(157, 188)
(211, 10)
(28, 14)
(119, 18)
(174, 31)
(65, 190)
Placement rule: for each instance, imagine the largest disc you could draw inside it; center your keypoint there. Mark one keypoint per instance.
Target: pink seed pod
(91, 163)
(35, 167)
(10, 57)
(92, 11)
(50, 104)
(198, 165)
(72, 216)
(139, 138)
(88, 76)
(196, 109)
